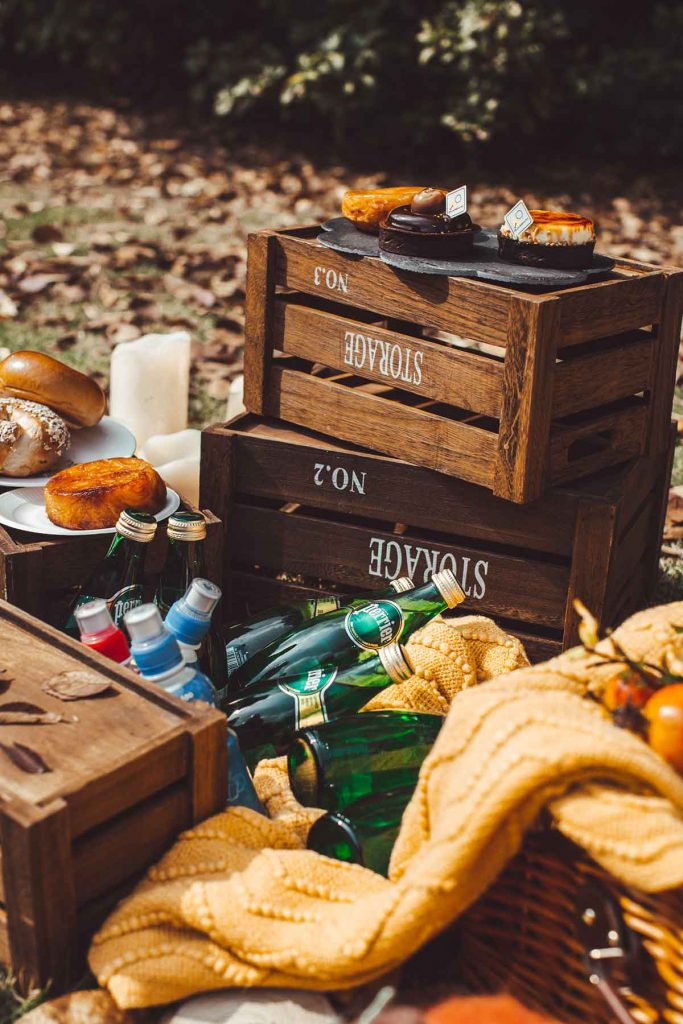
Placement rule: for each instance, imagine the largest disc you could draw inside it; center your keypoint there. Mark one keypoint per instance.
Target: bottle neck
(184, 562)
(189, 652)
(179, 673)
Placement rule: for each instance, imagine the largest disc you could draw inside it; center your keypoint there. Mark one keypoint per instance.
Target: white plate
(24, 509)
(108, 440)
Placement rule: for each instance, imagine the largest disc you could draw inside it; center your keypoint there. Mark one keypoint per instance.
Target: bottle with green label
(266, 716)
(335, 764)
(186, 533)
(245, 639)
(119, 578)
(365, 832)
(349, 635)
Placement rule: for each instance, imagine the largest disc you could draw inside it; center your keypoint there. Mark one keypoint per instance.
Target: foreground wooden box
(305, 514)
(567, 383)
(136, 769)
(41, 574)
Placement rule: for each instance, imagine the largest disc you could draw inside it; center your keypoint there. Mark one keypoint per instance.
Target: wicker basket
(551, 929)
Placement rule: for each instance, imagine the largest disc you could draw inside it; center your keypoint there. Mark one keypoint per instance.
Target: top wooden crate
(538, 389)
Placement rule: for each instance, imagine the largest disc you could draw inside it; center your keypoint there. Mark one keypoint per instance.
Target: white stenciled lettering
(341, 478)
(389, 359)
(333, 280)
(390, 558)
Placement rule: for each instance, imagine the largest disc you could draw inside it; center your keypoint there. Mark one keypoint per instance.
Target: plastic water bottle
(159, 658)
(99, 633)
(189, 619)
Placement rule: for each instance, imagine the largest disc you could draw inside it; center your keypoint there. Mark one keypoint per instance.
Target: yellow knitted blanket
(238, 901)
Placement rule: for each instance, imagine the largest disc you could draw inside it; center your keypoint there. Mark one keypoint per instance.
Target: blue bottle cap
(154, 649)
(189, 618)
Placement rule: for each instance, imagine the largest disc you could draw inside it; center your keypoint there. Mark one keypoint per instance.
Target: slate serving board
(484, 263)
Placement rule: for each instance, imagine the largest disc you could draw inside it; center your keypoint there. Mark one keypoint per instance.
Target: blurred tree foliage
(495, 74)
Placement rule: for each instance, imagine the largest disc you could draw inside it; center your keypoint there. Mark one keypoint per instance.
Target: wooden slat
(433, 441)
(625, 430)
(593, 546)
(155, 825)
(522, 457)
(633, 545)
(472, 309)
(609, 307)
(598, 378)
(347, 481)
(4, 938)
(258, 307)
(496, 583)
(664, 367)
(465, 379)
(38, 880)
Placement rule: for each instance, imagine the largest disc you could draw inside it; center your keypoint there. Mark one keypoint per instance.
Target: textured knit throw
(239, 901)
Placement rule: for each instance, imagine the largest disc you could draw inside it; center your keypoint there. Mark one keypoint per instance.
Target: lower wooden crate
(305, 514)
(41, 574)
(135, 769)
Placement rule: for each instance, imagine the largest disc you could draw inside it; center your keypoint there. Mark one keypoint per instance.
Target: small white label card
(518, 218)
(456, 202)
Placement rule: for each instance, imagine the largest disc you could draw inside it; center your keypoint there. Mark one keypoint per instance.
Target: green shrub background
(590, 76)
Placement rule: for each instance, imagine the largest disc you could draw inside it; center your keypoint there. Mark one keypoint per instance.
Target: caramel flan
(564, 241)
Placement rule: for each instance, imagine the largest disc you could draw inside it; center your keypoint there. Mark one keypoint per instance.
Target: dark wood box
(41, 574)
(136, 769)
(540, 389)
(306, 514)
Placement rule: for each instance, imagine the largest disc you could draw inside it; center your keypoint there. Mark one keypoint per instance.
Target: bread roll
(38, 377)
(91, 496)
(32, 438)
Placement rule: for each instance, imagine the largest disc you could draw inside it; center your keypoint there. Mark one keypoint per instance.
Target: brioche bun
(92, 495)
(37, 377)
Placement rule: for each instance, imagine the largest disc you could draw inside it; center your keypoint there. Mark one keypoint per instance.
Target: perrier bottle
(186, 533)
(119, 578)
(335, 764)
(266, 715)
(245, 639)
(350, 635)
(365, 832)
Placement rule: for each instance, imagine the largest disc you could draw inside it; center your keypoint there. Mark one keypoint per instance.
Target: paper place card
(518, 218)
(456, 202)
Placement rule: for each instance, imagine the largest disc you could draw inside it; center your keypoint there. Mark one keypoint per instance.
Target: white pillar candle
(150, 382)
(176, 459)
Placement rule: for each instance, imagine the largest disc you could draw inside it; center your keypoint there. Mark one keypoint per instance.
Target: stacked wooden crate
(522, 439)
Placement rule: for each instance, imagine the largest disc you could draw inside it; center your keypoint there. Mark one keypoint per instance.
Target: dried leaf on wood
(76, 685)
(20, 712)
(24, 758)
(5, 683)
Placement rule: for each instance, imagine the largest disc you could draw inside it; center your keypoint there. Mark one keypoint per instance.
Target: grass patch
(20, 229)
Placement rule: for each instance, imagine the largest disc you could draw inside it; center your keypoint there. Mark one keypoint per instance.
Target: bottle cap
(187, 526)
(154, 649)
(395, 662)
(93, 617)
(402, 584)
(135, 525)
(189, 618)
(449, 588)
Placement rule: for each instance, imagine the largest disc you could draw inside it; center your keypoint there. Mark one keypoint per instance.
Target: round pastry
(92, 495)
(366, 208)
(563, 241)
(425, 229)
(38, 377)
(32, 437)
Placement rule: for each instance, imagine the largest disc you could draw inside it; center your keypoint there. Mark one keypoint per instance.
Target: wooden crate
(41, 574)
(136, 768)
(567, 383)
(306, 514)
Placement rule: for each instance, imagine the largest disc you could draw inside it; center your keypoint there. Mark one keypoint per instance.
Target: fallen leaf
(45, 233)
(38, 282)
(25, 759)
(76, 685)
(8, 307)
(122, 332)
(5, 683)
(63, 248)
(22, 705)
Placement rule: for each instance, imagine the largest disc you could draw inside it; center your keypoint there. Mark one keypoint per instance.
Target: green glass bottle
(186, 533)
(265, 717)
(335, 764)
(119, 578)
(354, 632)
(364, 833)
(245, 639)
